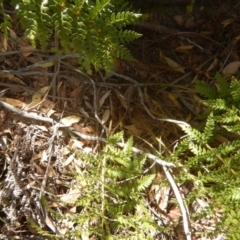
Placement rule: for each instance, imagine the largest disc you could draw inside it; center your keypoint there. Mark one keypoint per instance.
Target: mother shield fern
(211, 155)
(94, 29)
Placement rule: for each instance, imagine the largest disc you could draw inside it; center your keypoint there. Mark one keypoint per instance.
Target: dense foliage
(93, 29)
(210, 154)
(111, 204)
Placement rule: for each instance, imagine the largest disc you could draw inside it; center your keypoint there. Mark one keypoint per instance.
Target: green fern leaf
(145, 182)
(223, 86)
(205, 90)
(216, 104)
(235, 89)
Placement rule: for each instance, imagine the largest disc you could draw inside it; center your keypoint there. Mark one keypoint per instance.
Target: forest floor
(177, 47)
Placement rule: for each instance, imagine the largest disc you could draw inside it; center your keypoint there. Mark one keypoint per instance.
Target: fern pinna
(94, 29)
(211, 155)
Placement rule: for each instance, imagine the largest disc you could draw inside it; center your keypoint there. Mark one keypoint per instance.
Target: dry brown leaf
(77, 144)
(133, 130)
(103, 98)
(231, 69)
(228, 21)
(122, 99)
(129, 93)
(44, 156)
(12, 34)
(175, 214)
(48, 104)
(184, 47)
(174, 100)
(34, 59)
(49, 222)
(70, 197)
(47, 64)
(37, 156)
(42, 128)
(7, 75)
(40, 93)
(14, 102)
(3, 44)
(65, 151)
(17, 80)
(69, 160)
(50, 112)
(105, 116)
(34, 103)
(69, 120)
(51, 172)
(39, 170)
(179, 19)
(213, 64)
(174, 65)
(235, 40)
(27, 50)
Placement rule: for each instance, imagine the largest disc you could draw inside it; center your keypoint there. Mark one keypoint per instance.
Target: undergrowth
(210, 155)
(96, 30)
(111, 204)
(113, 184)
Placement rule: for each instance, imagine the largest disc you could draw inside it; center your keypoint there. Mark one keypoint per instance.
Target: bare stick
(180, 202)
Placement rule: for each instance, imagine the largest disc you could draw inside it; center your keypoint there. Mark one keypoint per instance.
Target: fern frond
(123, 53)
(235, 89)
(127, 36)
(209, 127)
(121, 19)
(98, 8)
(145, 182)
(6, 24)
(223, 86)
(205, 90)
(216, 104)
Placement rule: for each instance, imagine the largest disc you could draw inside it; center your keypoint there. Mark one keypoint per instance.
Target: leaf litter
(166, 79)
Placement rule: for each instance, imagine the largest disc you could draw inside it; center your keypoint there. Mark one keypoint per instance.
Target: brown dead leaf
(42, 128)
(7, 75)
(103, 98)
(174, 65)
(12, 34)
(50, 112)
(174, 100)
(39, 170)
(213, 65)
(27, 50)
(228, 21)
(129, 93)
(69, 120)
(133, 130)
(175, 214)
(3, 44)
(34, 59)
(76, 144)
(51, 172)
(14, 102)
(180, 20)
(65, 151)
(231, 69)
(70, 197)
(33, 104)
(184, 48)
(17, 80)
(69, 160)
(121, 98)
(105, 116)
(40, 93)
(49, 222)
(37, 156)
